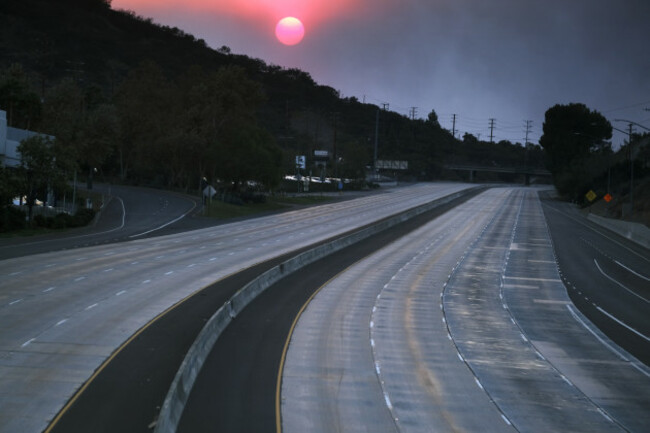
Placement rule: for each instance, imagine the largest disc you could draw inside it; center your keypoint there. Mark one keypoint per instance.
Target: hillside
(97, 48)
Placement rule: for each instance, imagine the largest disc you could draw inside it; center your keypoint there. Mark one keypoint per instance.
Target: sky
(507, 60)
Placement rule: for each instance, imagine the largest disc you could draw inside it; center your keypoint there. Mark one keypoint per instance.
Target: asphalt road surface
(607, 276)
(63, 314)
(461, 325)
(464, 325)
(129, 213)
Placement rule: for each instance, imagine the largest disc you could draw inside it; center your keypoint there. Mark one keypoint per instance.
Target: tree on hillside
(38, 167)
(145, 107)
(432, 118)
(63, 113)
(572, 135)
(85, 126)
(21, 103)
(98, 138)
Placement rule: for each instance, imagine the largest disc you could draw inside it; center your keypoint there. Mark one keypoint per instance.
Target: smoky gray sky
(509, 60)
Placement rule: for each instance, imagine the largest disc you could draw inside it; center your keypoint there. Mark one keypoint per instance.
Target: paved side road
(129, 213)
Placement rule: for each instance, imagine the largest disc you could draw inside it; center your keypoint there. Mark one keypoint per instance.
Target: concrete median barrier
(181, 387)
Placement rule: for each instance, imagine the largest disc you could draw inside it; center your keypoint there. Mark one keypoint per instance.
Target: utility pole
(374, 163)
(631, 170)
(492, 130)
(413, 112)
(384, 107)
(529, 125)
(453, 126)
(335, 118)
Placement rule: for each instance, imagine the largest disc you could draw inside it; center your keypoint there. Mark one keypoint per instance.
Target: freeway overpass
(527, 172)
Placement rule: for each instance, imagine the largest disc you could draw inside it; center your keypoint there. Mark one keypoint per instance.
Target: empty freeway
(463, 322)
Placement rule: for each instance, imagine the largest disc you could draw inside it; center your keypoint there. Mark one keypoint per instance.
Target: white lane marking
(603, 342)
(15, 302)
(164, 225)
(388, 403)
(108, 270)
(506, 419)
(15, 273)
(620, 284)
(213, 259)
(61, 322)
(79, 279)
(28, 342)
(602, 412)
(49, 289)
(90, 307)
(134, 263)
(146, 281)
(566, 380)
(120, 293)
(623, 324)
(192, 265)
(460, 357)
(169, 273)
(630, 270)
(597, 231)
(478, 383)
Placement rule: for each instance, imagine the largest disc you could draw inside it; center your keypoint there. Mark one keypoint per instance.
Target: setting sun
(289, 31)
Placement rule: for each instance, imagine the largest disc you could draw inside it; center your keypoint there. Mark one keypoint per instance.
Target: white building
(10, 138)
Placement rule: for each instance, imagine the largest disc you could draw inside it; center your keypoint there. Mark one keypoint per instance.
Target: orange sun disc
(289, 31)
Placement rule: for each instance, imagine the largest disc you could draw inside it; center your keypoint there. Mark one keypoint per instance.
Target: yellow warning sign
(591, 196)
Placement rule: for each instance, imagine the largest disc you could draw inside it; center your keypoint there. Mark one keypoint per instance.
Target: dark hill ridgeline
(101, 52)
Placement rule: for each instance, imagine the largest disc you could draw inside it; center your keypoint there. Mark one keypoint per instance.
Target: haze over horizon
(505, 60)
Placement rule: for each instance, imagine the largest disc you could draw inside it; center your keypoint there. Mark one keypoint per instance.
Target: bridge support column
(527, 179)
(472, 175)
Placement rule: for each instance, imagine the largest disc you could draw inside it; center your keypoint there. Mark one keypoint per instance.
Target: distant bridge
(528, 172)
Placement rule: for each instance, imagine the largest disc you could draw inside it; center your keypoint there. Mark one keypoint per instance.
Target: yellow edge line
(278, 387)
(108, 360)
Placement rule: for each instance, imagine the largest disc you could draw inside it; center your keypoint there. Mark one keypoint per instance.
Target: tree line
(578, 152)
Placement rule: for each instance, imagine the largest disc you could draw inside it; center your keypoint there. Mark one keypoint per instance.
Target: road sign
(591, 196)
(209, 191)
(300, 161)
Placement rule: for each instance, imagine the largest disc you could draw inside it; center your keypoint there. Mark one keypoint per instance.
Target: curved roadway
(129, 213)
(463, 325)
(62, 314)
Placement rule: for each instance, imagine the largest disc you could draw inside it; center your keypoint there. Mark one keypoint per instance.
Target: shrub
(82, 217)
(12, 218)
